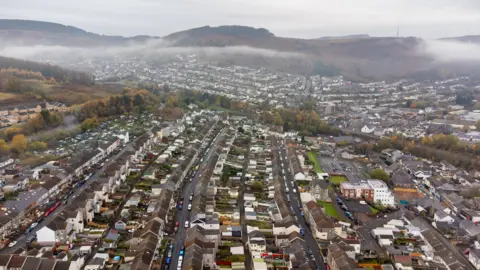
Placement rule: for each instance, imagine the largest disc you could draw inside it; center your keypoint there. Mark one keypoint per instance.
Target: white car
(12, 244)
(294, 190)
(189, 207)
(186, 224)
(34, 225)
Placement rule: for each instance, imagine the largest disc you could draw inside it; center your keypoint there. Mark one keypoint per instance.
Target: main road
(296, 204)
(188, 188)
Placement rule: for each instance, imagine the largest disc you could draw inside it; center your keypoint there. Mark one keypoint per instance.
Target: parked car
(168, 261)
(12, 244)
(186, 224)
(189, 207)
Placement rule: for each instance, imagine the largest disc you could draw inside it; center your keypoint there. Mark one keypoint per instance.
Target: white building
(381, 193)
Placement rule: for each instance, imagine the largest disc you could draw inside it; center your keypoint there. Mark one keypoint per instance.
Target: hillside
(24, 82)
(25, 32)
(358, 57)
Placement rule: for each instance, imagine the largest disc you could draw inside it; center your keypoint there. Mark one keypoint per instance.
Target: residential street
(188, 188)
(22, 240)
(296, 203)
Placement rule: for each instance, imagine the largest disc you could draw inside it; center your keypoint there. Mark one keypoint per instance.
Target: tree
(19, 143)
(34, 146)
(35, 124)
(90, 124)
(380, 174)
(408, 103)
(4, 147)
(172, 101)
(257, 186)
(45, 115)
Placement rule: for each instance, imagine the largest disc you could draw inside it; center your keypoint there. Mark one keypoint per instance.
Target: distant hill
(25, 32)
(358, 57)
(468, 39)
(346, 37)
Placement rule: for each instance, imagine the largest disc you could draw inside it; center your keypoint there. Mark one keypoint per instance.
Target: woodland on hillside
(48, 71)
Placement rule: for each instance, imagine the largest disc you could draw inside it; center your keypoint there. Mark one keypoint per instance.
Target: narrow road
(296, 203)
(241, 203)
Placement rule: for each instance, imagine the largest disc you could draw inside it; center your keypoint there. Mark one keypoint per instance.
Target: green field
(329, 209)
(337, 179)
(374, 211)
(313, 158)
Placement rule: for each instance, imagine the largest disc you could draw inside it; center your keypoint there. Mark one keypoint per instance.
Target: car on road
(34, 225)
(168, 261)
(12, 244)
(294, 190)
(186, 224)
(180, 206)
(191, 197)
(287, 190)
(169, 254)
(181, 252)
(189, 207)
(176, 226)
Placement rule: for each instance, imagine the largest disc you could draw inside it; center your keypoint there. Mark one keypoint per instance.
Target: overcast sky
(299, 18)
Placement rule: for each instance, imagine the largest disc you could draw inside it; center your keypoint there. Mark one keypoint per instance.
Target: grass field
(374, 211)
(329, 209)
(313, 158)
(337, 179)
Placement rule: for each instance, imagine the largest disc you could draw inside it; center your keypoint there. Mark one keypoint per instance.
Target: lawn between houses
(313, 158)
(337, 179)
(330, 209)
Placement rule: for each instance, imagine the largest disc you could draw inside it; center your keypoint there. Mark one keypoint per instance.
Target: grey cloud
(450, 51)
(151, 49)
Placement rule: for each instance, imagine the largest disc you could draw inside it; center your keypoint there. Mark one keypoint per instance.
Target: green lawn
(313, 158)
(374, 211)
(329, 209)
(337, 179)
